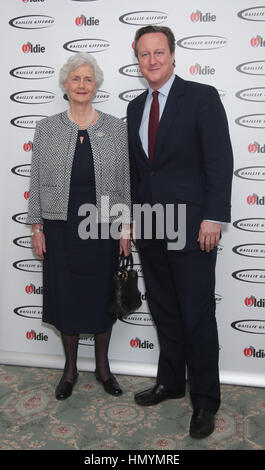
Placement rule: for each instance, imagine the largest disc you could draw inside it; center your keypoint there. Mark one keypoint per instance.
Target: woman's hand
(125, 240)
(38, 241)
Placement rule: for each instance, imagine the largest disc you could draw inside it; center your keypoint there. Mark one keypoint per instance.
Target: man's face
(155, 59)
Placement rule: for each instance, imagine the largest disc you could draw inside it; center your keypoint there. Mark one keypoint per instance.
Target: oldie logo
(87, 45)
(29, 48)
(22, 170)
(131, 70)
(256, 173)
(257, 41)
(82, 20)
(252, 352)
(32, 22)
(26, 122)
(252, 14)
(250, 224)
(250, 275)
(33, 97)
(253, 302)
(144, 17)
(29, 265)
(131, 94)
(256, 121)
(252, 94)
(198, 69)
(256, 148)
(23, 242)
(32, 289)
(29, 311)
(138, 343)
(203, 42)
(257, 327)
(255, 67)
(198, 16)
(252, 250)
(32, 335)
(254, 199)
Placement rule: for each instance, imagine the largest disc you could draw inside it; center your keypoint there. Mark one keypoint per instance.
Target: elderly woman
(80, 156)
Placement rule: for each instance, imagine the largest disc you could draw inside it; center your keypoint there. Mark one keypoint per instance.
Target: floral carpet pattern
(32, 419)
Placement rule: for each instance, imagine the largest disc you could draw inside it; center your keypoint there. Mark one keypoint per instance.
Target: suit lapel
(170, 113)
(137, 122)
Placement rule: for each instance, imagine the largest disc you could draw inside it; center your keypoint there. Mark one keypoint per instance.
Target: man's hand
(209, 235)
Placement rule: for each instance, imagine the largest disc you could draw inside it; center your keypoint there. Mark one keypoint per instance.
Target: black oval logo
(32, 72)
(27, 122)
(29, 265)
(256, 327)
(22, 170)
(29, 311)
(32, 22)
(251, 250)
(254, 173)
(250, 224)
(252, 14)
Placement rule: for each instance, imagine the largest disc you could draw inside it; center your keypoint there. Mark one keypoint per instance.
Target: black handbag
(126, 297)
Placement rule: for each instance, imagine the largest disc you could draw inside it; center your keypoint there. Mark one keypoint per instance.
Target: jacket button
(153, 173)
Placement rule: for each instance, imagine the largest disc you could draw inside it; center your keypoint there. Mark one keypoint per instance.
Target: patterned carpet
(32, 419)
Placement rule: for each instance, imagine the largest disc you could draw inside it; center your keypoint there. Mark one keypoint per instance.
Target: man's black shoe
(202, 424)
(155, 395)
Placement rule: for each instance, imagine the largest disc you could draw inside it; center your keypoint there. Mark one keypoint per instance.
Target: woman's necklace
(86, 124)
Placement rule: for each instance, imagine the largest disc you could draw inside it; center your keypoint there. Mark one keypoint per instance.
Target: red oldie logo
(256, 147)
(255, 199)
(32, 335)
(134, 342)
(257, 41)
(27, 147)
(29, 289)
(249, 301)
(252, 352)
(138, 343)
(253, 302)
(251, 199)
(199, 16)
(83, 21)
(249, 351)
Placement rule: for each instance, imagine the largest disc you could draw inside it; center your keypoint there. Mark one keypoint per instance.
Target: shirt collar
(164, 90)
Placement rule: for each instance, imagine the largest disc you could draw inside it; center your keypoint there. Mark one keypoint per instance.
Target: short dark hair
(155, 29)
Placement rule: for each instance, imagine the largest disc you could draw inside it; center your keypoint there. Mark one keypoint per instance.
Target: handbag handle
(126, 261)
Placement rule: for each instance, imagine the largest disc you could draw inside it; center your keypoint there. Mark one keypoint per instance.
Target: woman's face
(81, 85)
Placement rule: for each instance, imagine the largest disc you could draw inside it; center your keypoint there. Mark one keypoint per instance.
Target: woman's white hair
(80, 58)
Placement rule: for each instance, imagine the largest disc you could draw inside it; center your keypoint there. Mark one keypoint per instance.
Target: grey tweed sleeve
(34, 208)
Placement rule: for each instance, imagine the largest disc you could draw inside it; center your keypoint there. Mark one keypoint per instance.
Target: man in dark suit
(181, 153)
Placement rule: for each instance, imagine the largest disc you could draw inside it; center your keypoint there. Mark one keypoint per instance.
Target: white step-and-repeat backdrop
(220, 43)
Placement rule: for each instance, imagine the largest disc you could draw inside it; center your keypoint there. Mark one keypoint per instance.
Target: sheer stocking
(70, 343)
(101, 354)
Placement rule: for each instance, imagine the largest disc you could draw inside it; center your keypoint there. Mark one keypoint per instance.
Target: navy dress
(78, 274)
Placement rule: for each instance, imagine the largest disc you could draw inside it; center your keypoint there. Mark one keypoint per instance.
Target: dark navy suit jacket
(193, 160)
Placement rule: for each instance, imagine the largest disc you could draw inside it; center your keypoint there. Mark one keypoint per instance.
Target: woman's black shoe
(111, 385)
(64, 388)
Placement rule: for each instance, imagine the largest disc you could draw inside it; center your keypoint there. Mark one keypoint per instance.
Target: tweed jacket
(53, 151)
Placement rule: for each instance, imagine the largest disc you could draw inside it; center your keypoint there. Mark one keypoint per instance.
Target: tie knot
(155, 94)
